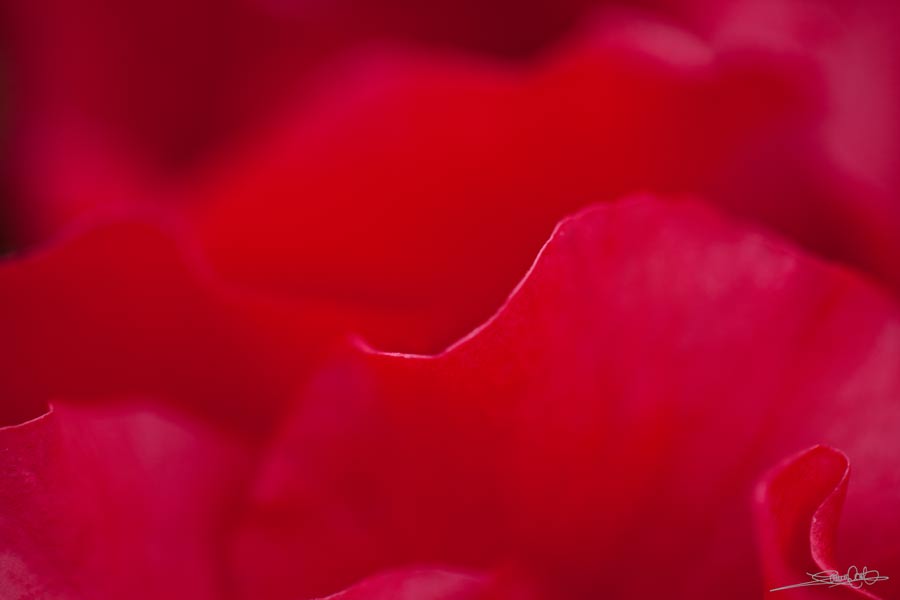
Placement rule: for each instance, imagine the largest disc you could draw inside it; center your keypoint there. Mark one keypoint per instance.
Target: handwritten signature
(855, 578)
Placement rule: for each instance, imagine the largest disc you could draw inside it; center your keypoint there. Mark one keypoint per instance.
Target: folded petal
(604, 430)
(798, 507)
(108, 504)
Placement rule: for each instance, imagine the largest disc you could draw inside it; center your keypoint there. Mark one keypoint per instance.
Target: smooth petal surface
(425, 188)
(605, 429)
(101, 504)
(124, 309)
(430, 584)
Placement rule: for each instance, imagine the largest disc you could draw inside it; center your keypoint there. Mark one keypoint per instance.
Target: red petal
(423, 188)
(686, 141)
(123, 309)
(419, 584)
(798, 506)
(170, 76)
(107, 504)
(160, 78)
(166, 83)
(605, 429)
(502, 27)
(855, 46)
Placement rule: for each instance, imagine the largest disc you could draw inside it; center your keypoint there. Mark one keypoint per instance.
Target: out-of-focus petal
(431, 584)
(430, 143)
(500, 27)
(167, 76)
(166, 84)
(123, 308)
(855, 46)
(106, 504)
(604, 430)
(160, 78)
(425, 188)
(65, 173)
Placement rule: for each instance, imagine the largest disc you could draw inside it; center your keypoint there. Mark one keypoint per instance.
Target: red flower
(287, 363)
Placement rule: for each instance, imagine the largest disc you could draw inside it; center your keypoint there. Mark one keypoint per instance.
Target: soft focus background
(156, 89)
(161, 87)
